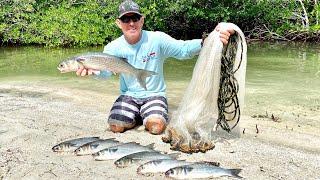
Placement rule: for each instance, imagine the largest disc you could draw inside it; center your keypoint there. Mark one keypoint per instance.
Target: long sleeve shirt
(149, 54)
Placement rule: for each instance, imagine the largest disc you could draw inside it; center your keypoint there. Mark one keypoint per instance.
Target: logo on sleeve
(148, 57)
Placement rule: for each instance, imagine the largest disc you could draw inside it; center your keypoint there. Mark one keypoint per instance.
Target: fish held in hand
(95, 146)
(104, 62)
(143, 156)
(71, 145)
(201, 170)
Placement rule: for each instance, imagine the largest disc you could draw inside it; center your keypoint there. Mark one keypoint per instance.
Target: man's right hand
(83, 72)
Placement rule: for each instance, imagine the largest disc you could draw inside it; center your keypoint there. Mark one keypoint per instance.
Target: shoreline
(35, 116)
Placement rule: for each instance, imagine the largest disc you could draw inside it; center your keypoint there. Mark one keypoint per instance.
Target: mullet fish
(71, 145)
(160, 166)
(105, 62)
(201, 170)
(95, 146)
(143, 157)
(120, 151)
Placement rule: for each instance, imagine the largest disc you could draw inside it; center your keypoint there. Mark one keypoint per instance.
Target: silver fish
(120, 151)
(143, 157)
(160, 166)
(201, 170)
(95, 146)
(101, 62)
(71, 145)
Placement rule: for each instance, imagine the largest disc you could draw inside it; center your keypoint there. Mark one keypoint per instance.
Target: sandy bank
(34, 117)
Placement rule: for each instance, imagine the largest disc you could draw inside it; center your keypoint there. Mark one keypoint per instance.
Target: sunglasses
(134, 18)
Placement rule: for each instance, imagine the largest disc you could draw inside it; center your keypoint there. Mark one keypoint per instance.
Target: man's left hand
(225, 33)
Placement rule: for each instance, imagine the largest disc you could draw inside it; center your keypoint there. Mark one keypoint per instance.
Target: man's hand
(83, 72)
(225, 33)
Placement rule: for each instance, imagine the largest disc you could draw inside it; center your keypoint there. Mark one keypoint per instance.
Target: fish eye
(188, 169)
(170, 171)
(113, 150)
(61, 65)
(56, 148)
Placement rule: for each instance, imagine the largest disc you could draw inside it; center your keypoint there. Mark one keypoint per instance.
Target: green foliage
(191, 18)
(92, 22)
(155, 13)
(58, 23)
(75, 25)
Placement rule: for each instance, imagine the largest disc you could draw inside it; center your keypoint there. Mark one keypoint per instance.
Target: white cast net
(215, 95)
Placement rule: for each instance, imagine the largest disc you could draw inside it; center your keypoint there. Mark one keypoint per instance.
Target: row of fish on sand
(149, 160)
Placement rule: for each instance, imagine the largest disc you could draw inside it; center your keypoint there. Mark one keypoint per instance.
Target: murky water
(281, 78)
(285, 79)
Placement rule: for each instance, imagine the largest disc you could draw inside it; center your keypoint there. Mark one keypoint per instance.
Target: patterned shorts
(127, 111)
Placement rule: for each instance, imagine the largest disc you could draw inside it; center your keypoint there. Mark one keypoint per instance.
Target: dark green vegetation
(91, 22)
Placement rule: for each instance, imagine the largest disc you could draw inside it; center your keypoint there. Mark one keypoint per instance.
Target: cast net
(215, 95)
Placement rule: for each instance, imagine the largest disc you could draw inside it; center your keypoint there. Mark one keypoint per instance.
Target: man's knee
(117, 128)
(155, 125)
(120, 127)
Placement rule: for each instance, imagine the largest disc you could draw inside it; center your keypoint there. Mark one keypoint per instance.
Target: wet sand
(36, 115)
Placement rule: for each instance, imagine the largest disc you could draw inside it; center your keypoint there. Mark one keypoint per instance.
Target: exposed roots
(263, 33)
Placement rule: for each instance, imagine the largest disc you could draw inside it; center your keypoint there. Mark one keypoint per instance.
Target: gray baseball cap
(128, 6)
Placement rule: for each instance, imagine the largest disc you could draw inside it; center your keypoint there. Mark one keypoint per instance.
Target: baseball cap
(128, 6)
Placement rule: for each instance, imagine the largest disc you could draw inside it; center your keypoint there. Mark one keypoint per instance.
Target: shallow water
(281, 78)
(285, 79)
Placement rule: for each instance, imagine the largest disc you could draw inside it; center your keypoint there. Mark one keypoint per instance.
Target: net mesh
(215, 95)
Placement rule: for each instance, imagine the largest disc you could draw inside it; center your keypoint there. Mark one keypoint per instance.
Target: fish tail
(151, 146)
(235, 173)
(94, 155)
(142, 75)
(174, 155)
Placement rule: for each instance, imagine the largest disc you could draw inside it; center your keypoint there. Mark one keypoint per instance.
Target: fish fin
(103, 75)
(235, 173)
(96, 139)
(174, 155)
(132, 142)
(95, 154)
(72, 144)
(151, 146)
(211, 163)
(93, 137)
(1, 132)
(113, 139)
(187, 168)
(94, 145)
(142, 75)
(82, 146)
(80, 59)
(184, 160)
(111, 149)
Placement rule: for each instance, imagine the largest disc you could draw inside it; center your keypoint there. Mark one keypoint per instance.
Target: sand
(34, 116)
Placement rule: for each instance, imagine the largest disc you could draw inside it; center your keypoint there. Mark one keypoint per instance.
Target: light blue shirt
(149, 54)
